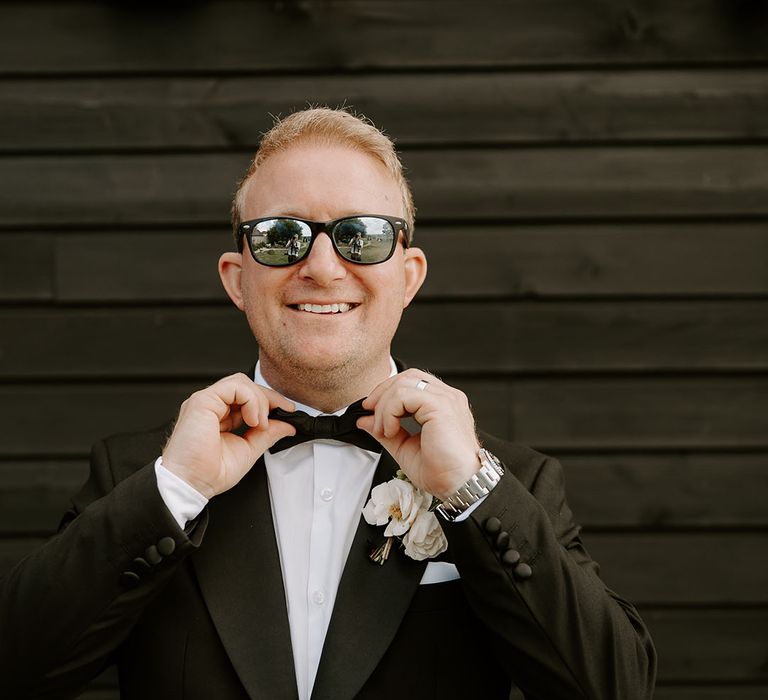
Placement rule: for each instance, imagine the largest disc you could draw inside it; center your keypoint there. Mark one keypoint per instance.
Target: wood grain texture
(550, 414)
(425, 108)
(362, 34)
(527, 337)
(716, 645)
(451, 184)
(700, 692)
(664, 491)
(682, 569)
(709, 413)
(594, 260)
(652, 493)
(592, 196)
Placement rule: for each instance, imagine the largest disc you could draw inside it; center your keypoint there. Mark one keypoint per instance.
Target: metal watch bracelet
(480, 484)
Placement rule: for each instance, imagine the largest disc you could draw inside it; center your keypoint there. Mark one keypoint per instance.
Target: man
(293, 248)
(232, 561)
(356, 247)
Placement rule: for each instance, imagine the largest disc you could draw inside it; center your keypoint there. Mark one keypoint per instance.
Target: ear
(415, 263)
(230, 272)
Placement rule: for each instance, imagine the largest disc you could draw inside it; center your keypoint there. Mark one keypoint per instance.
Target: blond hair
(326, 126)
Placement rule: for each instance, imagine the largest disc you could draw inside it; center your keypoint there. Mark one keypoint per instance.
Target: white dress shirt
(317, 492)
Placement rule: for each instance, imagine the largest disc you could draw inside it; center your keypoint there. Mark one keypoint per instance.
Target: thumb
(260, 440)
(391, 444)
(277, 430)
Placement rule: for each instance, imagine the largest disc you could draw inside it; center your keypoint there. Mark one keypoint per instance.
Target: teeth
(325, 308)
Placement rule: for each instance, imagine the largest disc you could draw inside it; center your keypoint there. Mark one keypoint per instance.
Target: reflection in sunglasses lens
(365, 239)
(280, 241)
(283, 241)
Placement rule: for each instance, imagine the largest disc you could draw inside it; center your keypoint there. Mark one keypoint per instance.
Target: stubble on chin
(329, 381)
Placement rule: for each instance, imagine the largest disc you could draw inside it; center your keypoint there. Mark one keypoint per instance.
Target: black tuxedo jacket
(201, 613)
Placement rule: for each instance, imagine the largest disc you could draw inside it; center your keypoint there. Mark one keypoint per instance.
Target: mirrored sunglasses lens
(280, 241)
(365, 239)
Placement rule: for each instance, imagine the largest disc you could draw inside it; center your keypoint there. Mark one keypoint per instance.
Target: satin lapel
(370, 604)
(238, 568)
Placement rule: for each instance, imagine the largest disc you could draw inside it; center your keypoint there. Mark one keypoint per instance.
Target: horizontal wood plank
(527, 337)
(668, 490)
(35, 494)
(717, 412)
(676, 569)
(716, 645)
(571, 413)
(716, 692)
(643, 492)
(506, 108)
(448, 184)
(361, 34)
(27, 267)
(603, 260)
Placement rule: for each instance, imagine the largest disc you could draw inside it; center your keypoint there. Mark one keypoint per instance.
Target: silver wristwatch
(480, 484)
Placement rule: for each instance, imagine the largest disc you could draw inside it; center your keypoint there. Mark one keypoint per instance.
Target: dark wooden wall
(592, 185)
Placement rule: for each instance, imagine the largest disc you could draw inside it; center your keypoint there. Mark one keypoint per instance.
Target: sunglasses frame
(246, 229)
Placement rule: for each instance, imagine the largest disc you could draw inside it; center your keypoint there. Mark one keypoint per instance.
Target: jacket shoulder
(524, 462)
(126, 453)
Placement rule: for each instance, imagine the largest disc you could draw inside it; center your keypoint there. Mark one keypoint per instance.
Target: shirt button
(318, 597)
(326, 494)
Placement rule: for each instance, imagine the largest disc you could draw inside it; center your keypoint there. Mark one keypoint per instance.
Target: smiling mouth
(338, 308)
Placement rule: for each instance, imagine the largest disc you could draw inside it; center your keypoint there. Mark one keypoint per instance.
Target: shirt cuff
(183, 501)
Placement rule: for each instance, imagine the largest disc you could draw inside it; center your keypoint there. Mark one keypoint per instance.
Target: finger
(391, 444)
(408, 378)
(406, 401)
(229, 393)
(372, 398)
(276, 400)
(247, 400)
(257, 412)
(260, 440)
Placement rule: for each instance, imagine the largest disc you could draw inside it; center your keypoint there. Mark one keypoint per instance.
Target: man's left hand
(441, 457)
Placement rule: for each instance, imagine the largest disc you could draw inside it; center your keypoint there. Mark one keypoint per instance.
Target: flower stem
(380, 554)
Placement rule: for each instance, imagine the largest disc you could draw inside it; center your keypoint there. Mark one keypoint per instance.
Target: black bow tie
(328, 427)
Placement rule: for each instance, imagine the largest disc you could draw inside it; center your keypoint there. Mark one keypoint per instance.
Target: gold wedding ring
(422, 385)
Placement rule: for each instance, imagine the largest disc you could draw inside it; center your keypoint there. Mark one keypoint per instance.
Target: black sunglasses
(278, 241)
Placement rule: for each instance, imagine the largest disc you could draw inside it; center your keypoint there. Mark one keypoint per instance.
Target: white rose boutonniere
(407, 513)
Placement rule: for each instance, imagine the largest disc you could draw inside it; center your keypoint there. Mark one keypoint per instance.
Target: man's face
(322, 183)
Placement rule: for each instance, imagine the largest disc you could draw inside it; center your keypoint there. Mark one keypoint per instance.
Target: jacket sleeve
(559, 631)
(66, 607)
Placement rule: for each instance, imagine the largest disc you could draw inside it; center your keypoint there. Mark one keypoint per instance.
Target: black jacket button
(502, 541)
(166, 546)
(510, 557)
(152, 555)
(141, 565)
(492, 526)
(523, 571)
(129, 579)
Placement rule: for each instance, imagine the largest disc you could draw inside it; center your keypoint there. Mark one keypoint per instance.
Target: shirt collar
(258, 377)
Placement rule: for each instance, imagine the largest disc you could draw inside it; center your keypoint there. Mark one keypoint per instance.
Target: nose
(323, 265)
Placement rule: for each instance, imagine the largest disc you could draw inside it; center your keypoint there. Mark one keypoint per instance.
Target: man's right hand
(203, 451)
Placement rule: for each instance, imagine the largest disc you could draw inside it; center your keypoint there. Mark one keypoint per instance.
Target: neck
(327, 390)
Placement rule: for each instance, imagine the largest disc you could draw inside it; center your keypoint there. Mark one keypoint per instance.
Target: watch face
(488, 459)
